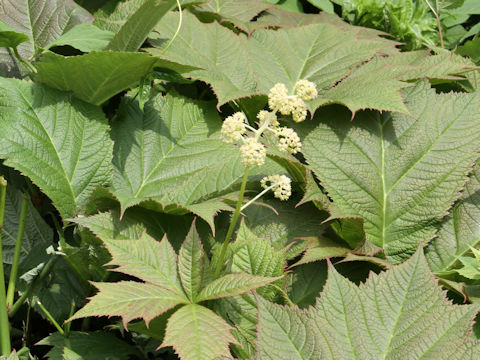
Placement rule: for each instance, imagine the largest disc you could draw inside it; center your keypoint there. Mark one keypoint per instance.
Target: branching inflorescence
(236, 129)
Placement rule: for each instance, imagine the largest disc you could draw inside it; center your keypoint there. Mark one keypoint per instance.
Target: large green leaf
(130, 300)
(42, 21)
(400, 174)
(221, 55)
(60, 143)
(97, 76)
(197, 333)
(150, 145)
(399, 314)
(136, 29)
(460, 230)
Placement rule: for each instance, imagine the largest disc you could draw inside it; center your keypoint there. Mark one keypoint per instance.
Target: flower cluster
(279, 184)
(280, 101)
(236, 128)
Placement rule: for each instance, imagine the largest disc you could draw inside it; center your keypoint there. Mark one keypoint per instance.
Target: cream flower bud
(253, 152)
(299, 112)
(306, 90)
(233, 127)
(282, 188)
(288, 140)
(267, 117)
(277, 96)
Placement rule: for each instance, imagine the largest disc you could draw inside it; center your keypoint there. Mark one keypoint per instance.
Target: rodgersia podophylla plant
(237, 130)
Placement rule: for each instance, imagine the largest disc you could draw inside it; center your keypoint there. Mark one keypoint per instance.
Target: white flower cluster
(234, 127)
(280, 101)
(253, 153)
(288, 140)
(280, 185)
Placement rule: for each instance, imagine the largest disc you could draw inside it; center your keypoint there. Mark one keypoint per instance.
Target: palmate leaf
(42, 21)
(460, 230)
(60, 143)
(399, 314)
(197, 333)
(239, 67)
(400, 174)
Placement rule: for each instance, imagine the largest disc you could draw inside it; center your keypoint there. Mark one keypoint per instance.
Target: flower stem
(257, 196)
(50, 317)
(5, 345)
(17, 252)
(233, 223)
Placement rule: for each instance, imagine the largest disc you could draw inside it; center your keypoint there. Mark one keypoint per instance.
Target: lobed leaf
(399, 314)
(400, 174)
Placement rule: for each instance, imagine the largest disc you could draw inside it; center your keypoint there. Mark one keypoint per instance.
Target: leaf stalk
(18, 250)
(5, 345)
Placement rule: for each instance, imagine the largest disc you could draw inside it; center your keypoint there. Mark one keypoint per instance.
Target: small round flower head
(299, 112)
(282, 188)
(288, 140)
(277, 96)
(306, 90)
(233, 127)
(253, 152)
(267, 117)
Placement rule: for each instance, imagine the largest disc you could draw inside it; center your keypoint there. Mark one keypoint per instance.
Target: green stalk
(45, 271)
(5, 345)
(233, 223)
(25, 63)
(18, 251)
(50, 317)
